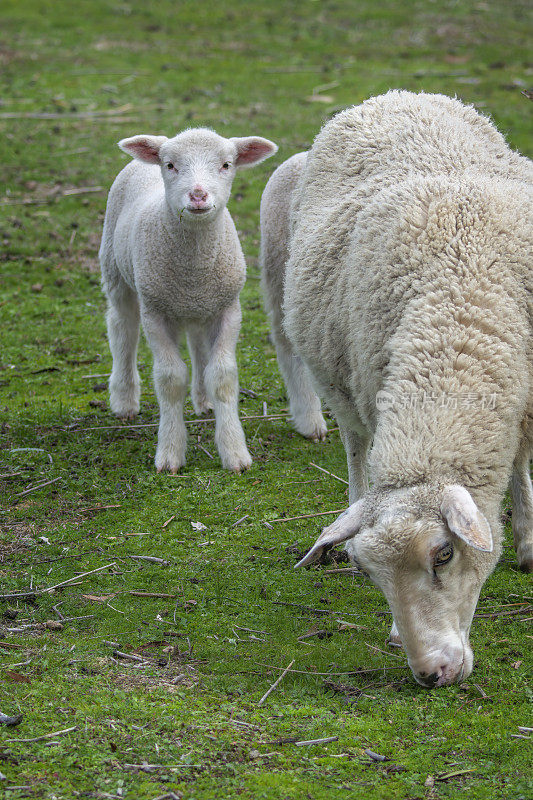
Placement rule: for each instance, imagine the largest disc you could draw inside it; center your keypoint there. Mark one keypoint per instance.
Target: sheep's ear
(252, 149)
(145, 148)
(465, 519)
(344, 527)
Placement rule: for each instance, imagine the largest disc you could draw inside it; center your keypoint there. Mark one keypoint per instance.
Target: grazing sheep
(303, 400)
(171, 258)
(409, 297)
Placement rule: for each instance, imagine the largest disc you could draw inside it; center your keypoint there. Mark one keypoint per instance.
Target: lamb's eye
(225, 165)
(170, 166)
(443, 555)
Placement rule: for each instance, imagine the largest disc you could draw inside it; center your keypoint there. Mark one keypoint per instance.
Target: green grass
(241, 68)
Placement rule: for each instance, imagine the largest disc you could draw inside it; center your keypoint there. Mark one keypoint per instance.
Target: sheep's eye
(443, 555)
(170, 166)
(225, 165)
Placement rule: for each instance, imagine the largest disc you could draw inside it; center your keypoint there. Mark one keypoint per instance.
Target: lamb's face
(430, 560)
(198, 167)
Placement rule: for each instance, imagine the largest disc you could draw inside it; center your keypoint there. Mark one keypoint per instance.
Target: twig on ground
(37, 487)
(308, 516)
(59, 614)
(46, 735)
(95, 508)
(251, 630)
(333, 672)
(31, 450)
(211, 456)
(328, 473)
(385, 653)
(375, 756)
(353, 570)
(34, 592)
(127, 656)
(204, 421)
(275, 684)
(145, 767)
(160, 595)
(169, 520)
(246, 516)
(327, 740)
(151, 559)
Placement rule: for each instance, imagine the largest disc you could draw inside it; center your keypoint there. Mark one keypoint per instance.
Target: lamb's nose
(198, 193)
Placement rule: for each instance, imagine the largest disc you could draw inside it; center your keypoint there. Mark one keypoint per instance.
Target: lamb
(171, 259)
(409, 298)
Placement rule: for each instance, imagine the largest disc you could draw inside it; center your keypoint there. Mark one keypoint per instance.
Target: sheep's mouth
(199, 211)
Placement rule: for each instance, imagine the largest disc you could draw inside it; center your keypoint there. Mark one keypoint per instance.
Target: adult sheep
(408, 296)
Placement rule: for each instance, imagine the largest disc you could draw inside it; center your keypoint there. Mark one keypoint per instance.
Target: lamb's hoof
(202, 406)
(124, 408)
(126, 415)
(169, 462)
(238, 463)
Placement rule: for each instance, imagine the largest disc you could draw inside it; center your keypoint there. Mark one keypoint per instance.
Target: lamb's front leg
(222, 384)
(170, 378)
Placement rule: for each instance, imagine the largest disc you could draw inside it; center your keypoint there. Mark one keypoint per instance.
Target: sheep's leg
(522, 520)
(198, 344)
(123, 332)
(356, 452)
(170, 378)
(304, 402)
(222, 384)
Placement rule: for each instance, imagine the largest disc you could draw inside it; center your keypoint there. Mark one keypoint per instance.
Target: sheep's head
(198, 167)
(429, 551)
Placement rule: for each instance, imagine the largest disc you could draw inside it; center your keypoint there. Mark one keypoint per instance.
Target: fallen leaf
(16, 676)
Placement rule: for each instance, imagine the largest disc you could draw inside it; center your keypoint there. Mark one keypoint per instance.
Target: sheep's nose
(198, 193)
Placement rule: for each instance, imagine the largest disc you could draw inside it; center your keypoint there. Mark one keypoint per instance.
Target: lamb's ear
(144, 147)
(252, 149)
(465, 519)
(344, 527)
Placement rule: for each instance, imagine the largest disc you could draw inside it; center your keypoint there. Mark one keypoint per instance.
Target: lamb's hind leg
(198, 344)
(123, 332)
(222, 384)
(170, 378)
(522, 520)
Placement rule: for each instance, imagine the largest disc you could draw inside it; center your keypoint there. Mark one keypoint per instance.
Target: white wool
(409, 274)
(171, 259)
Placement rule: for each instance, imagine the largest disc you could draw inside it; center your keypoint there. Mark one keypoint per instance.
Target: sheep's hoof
(314, 429)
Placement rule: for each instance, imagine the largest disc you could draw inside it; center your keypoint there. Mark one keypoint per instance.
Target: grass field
(228, 612)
